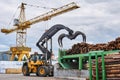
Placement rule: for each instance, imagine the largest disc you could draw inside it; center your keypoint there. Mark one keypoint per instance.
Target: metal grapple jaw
(71, 37)
(60, 38)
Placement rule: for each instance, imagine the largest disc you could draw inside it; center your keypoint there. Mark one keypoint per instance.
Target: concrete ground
(21, 77)
(33, 77)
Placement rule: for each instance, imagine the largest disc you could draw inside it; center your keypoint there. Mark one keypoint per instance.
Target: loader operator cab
(34, 57)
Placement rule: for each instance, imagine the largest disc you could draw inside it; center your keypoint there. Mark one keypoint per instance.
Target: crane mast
(21, 34)
(21, 27)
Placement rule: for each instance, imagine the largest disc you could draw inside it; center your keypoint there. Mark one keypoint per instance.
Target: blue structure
(4, 56)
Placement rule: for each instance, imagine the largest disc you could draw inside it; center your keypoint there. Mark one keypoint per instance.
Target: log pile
(112, 67)
(85, 47)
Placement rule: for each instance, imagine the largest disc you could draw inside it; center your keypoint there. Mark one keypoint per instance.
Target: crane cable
(13, 16)
(28, 5)
(46, 22)
(40, 6)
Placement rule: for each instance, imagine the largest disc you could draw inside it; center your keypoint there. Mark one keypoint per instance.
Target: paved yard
(21, 77)
(33, 77)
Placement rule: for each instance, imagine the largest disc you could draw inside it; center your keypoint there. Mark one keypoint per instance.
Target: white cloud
(3, 47)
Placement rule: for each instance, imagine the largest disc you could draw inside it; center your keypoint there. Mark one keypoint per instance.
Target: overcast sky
(98, 19)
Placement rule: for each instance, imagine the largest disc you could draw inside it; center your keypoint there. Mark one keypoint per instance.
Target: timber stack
(85, 47)
(112, 67)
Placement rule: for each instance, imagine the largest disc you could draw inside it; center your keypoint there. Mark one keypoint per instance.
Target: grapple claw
(78, 33)
(71, 37)
(60, 39)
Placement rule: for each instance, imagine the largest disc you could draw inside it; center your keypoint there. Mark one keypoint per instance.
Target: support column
(90, 67)
(80, 63)
(12, 57)
(103, 68)
(96, 64)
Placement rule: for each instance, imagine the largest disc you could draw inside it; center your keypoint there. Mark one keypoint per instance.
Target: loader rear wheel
(37, 74)
(43, 71)
(25, 70)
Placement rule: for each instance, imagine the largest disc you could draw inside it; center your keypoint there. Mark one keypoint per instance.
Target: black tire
(37, 74)
(43, 71)
(51, 74)
(25, 70)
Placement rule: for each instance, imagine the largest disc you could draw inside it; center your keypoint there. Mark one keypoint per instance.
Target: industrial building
(5, 56)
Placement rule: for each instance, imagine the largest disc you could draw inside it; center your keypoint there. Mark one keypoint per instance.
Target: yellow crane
(21, 26)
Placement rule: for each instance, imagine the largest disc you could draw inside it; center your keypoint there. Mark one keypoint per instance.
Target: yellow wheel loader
(37, 66)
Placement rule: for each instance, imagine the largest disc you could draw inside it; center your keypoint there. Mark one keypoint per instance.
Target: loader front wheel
(25, 70)
(43, 71)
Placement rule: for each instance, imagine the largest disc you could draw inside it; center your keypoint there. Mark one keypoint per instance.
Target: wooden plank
(13, 71)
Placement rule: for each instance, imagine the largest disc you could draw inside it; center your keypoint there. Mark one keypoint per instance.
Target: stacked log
(112, 67)
(85, 47)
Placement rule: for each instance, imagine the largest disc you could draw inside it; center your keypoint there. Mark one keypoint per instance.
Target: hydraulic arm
(48, 35)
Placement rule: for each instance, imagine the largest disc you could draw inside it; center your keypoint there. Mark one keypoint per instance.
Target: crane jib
(43, 17)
